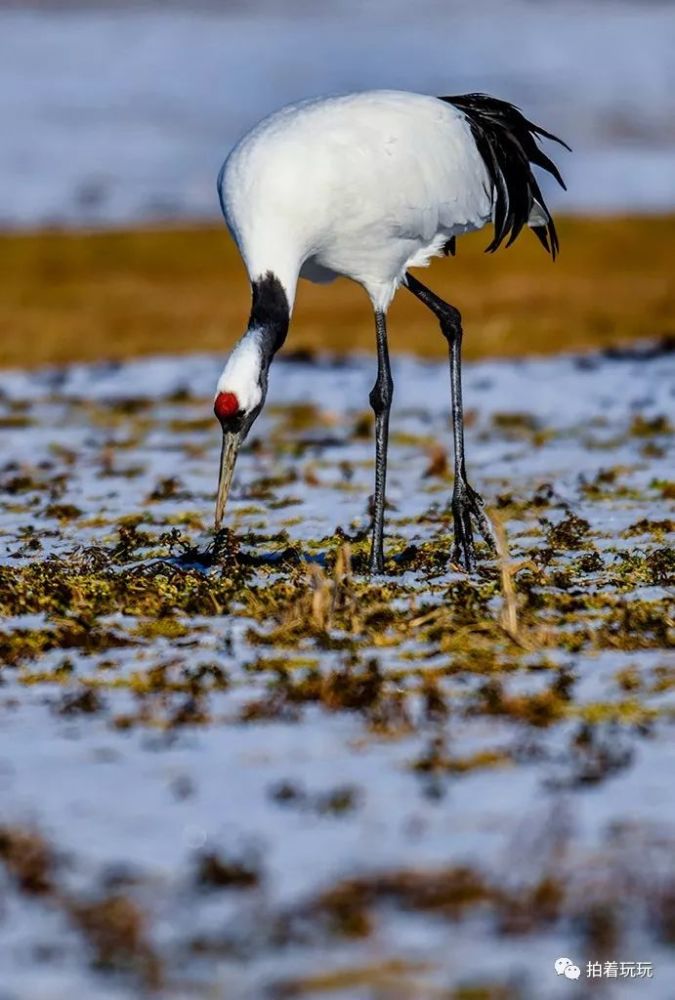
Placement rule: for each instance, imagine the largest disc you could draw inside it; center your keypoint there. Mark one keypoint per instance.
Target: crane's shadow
(225, 550)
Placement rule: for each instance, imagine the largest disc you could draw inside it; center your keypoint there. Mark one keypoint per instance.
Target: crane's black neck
(270, 314)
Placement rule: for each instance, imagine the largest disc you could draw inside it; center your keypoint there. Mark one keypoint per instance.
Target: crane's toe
(468, 504)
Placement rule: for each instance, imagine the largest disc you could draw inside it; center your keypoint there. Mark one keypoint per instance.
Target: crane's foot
(467, 504)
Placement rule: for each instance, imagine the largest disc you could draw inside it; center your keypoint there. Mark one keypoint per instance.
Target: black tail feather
(507, 142)
(541, 232)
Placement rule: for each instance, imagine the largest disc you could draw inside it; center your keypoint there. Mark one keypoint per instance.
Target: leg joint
(382, 393)
(451, 322)
(448, 316)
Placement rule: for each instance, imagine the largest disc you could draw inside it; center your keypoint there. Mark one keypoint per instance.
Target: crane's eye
(226, 406)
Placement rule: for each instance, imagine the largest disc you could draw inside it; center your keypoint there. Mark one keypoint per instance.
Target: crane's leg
(380, 400)
(466, 502)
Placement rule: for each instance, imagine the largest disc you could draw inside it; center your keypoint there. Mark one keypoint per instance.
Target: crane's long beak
(228, 457)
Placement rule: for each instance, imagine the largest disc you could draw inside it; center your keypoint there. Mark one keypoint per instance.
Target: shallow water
(395, 772)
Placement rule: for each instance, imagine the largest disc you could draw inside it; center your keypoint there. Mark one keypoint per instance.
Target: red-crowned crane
(368, 185)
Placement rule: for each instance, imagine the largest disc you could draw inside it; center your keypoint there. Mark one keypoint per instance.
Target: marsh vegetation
(239, 763)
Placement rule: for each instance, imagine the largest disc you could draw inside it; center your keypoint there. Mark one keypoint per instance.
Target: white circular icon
(572, 971)
(561, 964)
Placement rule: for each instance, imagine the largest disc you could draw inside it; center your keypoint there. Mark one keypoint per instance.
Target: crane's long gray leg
(380, 400)
(466, 502)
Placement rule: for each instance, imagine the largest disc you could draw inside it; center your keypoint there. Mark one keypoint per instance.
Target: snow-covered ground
(133, 805)
(114, 113)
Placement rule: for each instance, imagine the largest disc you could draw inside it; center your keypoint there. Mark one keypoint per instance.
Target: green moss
(646, 427)
(570, 533)
(628, 711)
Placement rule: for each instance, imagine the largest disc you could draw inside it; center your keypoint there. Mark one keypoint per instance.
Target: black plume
(507, 142)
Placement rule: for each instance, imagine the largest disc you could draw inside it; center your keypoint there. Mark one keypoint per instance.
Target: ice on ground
(411, 797)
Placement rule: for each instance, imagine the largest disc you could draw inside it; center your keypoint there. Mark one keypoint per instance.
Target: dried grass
(84, 296)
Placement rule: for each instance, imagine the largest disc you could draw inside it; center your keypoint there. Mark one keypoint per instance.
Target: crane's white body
(368, 186)
(365, 185)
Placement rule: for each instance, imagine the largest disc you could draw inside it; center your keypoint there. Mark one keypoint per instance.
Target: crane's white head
(240, 395)
(242, 387)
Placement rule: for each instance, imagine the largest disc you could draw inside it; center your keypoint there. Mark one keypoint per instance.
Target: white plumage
(364, 186)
